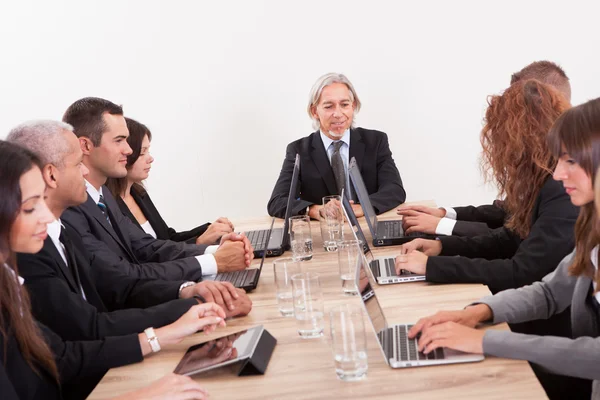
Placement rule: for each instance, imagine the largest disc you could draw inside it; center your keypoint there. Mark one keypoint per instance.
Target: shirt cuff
(445, 226)
(450, 212)
(211, 249)
(208, 264)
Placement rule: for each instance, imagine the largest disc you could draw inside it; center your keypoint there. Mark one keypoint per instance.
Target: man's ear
(51, 175)
(86, 145)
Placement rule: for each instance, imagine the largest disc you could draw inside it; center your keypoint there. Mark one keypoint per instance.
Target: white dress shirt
(594, 257)
(54, 228)
(446, 224)
(147, 227)
(344, 153)
(207, 260)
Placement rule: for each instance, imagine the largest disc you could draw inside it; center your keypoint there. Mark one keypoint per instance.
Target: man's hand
(414, 221)
(313, 211)
(470, 317)
(217, 229)
(222, 293)
(248, 250)
(436, 212)
(429, 247)
(242, 305)
(358, 211)
(452, 335)
(415, 262)
(230, 256)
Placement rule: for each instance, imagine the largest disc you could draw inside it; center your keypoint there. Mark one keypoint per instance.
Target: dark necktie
(70, 256)
(103, 209)
(337, 164)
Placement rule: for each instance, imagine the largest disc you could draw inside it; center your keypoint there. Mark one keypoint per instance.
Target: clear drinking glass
(284, 269)
(349, 342)
(301, 237)
(349, 258)
(331, 221)
(308, 304)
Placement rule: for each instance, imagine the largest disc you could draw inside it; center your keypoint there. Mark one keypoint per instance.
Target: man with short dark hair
(481, 220)
(107, 233)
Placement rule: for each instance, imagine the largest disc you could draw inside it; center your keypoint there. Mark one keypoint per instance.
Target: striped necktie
(103, 209)
(337, 164)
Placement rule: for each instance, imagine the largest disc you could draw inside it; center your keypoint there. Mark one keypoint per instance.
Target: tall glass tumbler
(349, 342)
(349, 259)
(331, 219)
(284, 269)
(301, 237)
(308, 304)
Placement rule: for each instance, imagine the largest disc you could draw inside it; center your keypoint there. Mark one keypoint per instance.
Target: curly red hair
(515, 152)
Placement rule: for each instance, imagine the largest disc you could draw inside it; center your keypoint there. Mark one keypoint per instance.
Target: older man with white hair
(325, 155)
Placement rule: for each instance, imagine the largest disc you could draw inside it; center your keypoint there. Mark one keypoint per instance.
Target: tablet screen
(219, 352)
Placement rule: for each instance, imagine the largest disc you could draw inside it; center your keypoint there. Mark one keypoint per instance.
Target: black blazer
(162, 230)
(316, 180)
(77, 362)
(123, 244)
(117, 304)
(501, 259)
(474, 221)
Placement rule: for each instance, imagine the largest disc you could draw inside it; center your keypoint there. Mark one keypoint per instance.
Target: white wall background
(223, 85)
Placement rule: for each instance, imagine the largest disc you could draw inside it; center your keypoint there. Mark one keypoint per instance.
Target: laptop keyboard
(393, 229)
(258, 239)
(389, 268)
(398, 346)
(238, 278)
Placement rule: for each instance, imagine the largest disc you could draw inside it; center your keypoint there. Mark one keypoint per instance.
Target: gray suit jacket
(576, 357)
(123, 244)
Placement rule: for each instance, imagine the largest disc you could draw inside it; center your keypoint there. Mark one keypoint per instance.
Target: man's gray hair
(44, 138)
(317, 89)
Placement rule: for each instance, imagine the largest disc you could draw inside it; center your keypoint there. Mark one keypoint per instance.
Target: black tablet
(222, 351)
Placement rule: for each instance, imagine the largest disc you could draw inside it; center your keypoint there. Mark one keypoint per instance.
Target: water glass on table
(349, 259)
(284, 269)
(349, 342)
(301, 238)
(308, 304)
(331, 221)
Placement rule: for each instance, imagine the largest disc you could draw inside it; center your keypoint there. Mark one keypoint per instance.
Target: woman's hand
(207, 317)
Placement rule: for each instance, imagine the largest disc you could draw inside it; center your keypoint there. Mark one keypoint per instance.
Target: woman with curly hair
(575, 140)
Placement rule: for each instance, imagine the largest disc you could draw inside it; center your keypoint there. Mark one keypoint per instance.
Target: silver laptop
(398, 350)
(383, 268)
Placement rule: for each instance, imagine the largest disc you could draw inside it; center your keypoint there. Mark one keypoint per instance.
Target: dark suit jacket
(77, 362)
(162, 230)
(123, 244)
(502, 260)
(117, 304)
(316, 180)
(474, 221)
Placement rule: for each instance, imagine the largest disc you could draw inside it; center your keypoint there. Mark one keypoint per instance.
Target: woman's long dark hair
(15, 312)
(137, 132)
(577, 132)
(515, 152)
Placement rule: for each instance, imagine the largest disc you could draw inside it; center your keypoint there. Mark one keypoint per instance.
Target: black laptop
(278, 239)
(384, 233)
(246, 279)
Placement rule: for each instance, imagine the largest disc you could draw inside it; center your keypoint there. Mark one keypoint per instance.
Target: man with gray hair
(325, 155)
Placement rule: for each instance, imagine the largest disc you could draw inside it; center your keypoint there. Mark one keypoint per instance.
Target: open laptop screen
(363, 195)
(369, 298)
(291, 197)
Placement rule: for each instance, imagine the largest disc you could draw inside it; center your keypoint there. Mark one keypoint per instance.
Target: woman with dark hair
(135, 202)
(34, 361)
(575, 141)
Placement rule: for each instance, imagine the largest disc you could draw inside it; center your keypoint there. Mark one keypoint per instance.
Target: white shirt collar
(94, 194)
(21, 280)
(327, 141)
(54, 228)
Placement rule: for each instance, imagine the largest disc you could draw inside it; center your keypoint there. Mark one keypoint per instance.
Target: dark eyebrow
(31, 198)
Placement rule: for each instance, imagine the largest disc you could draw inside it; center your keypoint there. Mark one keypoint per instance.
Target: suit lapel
(357, 148)
(64, 269)
(319, 157)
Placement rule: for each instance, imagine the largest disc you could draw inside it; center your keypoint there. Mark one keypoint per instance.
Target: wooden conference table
(304, 368)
